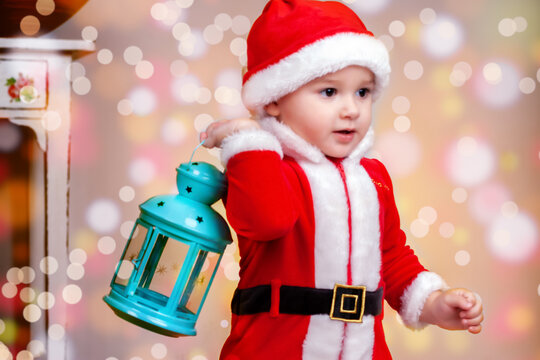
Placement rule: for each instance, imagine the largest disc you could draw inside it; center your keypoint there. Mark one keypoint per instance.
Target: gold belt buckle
(348, 303)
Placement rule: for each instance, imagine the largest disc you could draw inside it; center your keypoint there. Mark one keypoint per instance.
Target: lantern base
(149, 319)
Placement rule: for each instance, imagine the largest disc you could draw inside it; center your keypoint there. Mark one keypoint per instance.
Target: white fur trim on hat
(415, 296)
(322, 57)
(248, 140)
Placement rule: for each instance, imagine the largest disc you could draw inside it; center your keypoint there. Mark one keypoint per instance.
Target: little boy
(318, 229)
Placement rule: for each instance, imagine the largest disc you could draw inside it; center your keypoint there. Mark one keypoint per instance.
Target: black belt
(344, 302)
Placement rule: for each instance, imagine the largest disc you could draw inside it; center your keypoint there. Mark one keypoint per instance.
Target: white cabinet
(38, 70)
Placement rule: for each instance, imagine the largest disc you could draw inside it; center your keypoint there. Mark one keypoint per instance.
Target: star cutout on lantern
(161, 203)
(189, 189)
(162, 269)
(199, 219)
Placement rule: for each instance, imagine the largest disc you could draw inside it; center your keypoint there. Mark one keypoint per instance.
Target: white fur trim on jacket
(299, 149)
(248, 140)
(322, 57)
(415, 296)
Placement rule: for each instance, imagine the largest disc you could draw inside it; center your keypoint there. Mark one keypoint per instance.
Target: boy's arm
(260, 203)
(407, 283)
(454, 309)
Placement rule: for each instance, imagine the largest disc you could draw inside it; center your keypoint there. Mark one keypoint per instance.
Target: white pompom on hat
(295, 41)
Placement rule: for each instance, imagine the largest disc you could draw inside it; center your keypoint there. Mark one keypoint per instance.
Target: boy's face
(332, 112)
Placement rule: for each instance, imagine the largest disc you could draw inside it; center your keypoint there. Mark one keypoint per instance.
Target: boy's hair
(295, 41)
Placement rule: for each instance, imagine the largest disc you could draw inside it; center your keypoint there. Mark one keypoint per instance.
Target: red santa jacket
(305, 220)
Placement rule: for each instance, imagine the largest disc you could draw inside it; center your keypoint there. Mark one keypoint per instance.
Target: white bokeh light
(46, 300)
(527, 85)
(232, 270)
(174, 132)
(428, 16)
(106, 245)
(462, 258)
(126, 228)
(387, 41)
(124, 107)
(442, 37)
(193, 46)
(459, 195)
(132, 55)
(14, 275)
(202, 121)
(212, 34)
(126, 193)
(402, 123)
(103, 216)
(400, 152)
(78, 256)
(32, 313)
(369, 7)
(75, 271)
(240, 25)
(486, 201)
(498, 84)
(27, 294)
(428, 214)
(48, 265)
(401, 105)
(223, 21)
(507, 27)
(447, 230)
(144, 69)
(105, 56)
(141, 171)
(36, 347)
(413, 70)
(419, 228)
(143, 100)
(185, 89)
(158, 351)
(470, 161)
(56, 331)
(89, 33)
(513, 239)
(72, 294)
(9, 290)
(396, 28)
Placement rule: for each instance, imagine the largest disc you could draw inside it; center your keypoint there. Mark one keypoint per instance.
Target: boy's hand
(454, 309)
(219, 130)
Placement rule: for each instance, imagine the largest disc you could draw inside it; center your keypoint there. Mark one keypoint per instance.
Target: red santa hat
(295, 41)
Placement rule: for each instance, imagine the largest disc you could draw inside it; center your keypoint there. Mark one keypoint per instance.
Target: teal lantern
(172, 255)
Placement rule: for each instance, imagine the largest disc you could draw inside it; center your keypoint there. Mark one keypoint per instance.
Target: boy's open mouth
(345, 131)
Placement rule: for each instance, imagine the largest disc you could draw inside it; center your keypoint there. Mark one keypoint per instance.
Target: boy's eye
(363, 92)
(328, 92)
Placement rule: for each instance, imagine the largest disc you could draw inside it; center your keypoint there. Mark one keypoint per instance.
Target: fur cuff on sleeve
(248, 140)
(414, 297)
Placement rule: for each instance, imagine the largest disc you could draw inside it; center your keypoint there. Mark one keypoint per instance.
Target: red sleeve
(400, 266)
(260, 202)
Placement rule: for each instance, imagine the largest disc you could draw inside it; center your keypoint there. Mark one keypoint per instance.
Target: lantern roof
(188, 214)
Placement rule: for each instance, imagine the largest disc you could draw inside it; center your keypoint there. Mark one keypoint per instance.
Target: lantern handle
(193, 153)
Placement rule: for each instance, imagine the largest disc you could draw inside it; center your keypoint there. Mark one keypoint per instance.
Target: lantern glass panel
(132, 253)
(199, 278)
(164, 265)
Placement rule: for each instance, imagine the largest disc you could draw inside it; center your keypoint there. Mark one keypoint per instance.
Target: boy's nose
(349, 108)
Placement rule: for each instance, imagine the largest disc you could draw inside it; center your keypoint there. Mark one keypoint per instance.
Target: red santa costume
(306, 222)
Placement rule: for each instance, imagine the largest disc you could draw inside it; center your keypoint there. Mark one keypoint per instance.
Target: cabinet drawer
(23, 84)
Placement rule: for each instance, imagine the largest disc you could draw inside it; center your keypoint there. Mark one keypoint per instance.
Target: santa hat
(295, 41)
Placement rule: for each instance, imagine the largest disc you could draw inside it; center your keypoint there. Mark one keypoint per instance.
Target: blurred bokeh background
(458, 129)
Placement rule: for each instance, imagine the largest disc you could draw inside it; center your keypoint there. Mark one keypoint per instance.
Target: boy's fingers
(458, 300)
(474, 329)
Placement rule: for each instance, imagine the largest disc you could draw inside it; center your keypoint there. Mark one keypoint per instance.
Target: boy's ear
(272, 109)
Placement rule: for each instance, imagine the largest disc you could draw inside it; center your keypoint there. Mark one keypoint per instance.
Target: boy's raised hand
(454, 309)
(219, 130)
